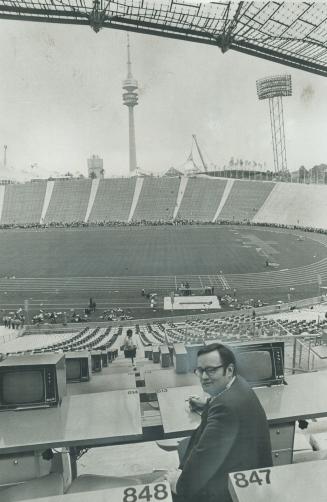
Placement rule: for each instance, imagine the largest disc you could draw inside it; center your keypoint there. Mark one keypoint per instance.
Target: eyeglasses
(210, 370)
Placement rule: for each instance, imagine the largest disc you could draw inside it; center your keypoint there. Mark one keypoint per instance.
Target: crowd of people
(117, 314)
(17, 319)
(69, 316)
(160, 222)
(233, 302)
(14, 320)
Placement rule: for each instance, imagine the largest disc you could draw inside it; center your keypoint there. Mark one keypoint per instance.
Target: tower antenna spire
(129, 63)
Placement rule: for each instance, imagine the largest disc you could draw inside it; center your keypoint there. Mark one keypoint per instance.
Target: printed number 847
(242, 481)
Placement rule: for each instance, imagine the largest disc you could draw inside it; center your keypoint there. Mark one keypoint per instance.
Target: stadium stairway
(47, 198)
(2, 197)
(180, 195)
(136, 195)
(93, 192)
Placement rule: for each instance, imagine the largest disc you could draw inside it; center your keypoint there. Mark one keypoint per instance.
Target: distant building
(172, 172)
(6, 182)
(317, 174)
(95, 167)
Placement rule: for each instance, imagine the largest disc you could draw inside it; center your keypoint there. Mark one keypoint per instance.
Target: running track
(300, 276)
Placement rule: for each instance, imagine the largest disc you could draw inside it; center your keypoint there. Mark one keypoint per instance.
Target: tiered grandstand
(69, 201)
(113, 200)
(201, 199)
(23, 203)
(245, 199)
(165, 191)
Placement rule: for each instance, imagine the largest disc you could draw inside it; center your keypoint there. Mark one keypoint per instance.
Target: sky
(61, 102)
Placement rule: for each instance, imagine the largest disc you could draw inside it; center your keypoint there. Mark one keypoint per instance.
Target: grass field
(150, 251)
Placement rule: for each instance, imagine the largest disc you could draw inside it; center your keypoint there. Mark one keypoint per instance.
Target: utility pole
(5, 156)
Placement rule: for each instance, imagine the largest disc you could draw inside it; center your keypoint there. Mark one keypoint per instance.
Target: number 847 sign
(248, 485)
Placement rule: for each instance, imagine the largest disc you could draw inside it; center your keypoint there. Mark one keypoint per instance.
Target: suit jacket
(233, 436)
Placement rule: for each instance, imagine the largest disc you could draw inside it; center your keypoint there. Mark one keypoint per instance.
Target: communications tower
(273, 89)
(130, 99)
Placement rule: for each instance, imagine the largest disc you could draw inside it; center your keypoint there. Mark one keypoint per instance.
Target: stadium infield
(65, 266)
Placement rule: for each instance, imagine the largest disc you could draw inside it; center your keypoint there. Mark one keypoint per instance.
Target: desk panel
(304, 396)
(162, 379)
(103, 383)
(156, 491)
(304, 482)
(175, 412)
(89, 419)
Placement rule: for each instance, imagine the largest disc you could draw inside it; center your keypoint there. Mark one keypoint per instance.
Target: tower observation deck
(130, 99)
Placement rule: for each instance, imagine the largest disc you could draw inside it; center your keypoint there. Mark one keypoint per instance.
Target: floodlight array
(271, 87)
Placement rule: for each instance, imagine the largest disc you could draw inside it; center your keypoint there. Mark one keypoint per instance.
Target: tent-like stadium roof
(291, 33)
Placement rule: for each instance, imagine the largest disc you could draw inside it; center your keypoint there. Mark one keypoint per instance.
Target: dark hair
(129, 332)
(226, 354)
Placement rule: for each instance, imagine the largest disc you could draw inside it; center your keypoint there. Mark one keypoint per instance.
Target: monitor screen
(73, 369)
(22, 387)
(255, 365)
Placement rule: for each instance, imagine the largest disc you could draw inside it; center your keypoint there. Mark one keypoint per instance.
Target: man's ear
(230, 370)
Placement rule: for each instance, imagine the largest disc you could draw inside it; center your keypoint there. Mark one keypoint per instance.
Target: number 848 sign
(144, 493)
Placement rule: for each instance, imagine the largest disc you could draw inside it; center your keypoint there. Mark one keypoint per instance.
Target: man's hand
(196, 403)
(172, 478)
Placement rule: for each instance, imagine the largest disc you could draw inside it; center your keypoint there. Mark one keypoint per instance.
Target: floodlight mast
(273, 89)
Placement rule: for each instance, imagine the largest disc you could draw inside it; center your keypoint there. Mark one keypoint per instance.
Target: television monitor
(32, 381)
(260, 363)
(78, 366)
(104, 358)
(96, 359)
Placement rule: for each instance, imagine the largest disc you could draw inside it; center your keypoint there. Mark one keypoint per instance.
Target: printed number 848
(159, 492)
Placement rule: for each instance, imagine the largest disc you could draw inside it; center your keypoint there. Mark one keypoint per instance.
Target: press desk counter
(48, 489)
(303, 482)
(168, 378)
(155, 491)
(103, 383)
(304, 396)
(90, 419)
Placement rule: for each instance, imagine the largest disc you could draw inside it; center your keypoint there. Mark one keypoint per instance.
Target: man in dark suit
(233, 434)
